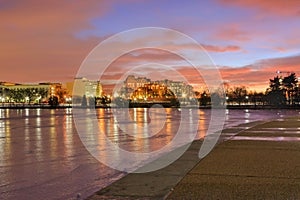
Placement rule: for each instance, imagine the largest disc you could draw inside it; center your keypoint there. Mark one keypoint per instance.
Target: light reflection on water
(278, 139)
(42, 156)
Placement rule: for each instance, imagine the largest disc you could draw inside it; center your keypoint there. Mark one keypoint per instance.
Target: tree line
(24, 95)
(33, 95)
(282, 91)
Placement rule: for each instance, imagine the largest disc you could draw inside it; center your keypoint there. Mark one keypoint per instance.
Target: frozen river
(42, 156)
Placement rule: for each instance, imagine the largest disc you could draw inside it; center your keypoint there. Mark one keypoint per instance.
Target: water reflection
(41, 150)
(68, 132)
(8, 150)
(202, 125)
(139, 136)
(247, 116)
(2, 114)
(2, 129)
(26, 112)
(276, 139)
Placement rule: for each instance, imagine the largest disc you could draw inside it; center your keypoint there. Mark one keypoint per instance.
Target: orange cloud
(229, 48)
(277, 7)
(255, 76)
(232, 32)
(208, 47)
(37, 38)
(258, 74)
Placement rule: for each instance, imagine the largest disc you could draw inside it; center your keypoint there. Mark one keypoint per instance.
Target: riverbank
(45, 106)
(41, 106)
(260, 162)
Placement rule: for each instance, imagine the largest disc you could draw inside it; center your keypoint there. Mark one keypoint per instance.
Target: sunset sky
(249, 40)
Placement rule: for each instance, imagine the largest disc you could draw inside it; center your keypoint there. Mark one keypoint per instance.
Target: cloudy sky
(248, 40)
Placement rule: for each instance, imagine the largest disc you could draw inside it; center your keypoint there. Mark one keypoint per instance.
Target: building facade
(84, 87)
(26, 93)
(132, 84)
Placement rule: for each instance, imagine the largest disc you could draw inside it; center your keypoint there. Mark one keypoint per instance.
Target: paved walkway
(262, 162)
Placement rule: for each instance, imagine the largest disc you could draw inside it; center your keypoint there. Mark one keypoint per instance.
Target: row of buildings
(41, 92)
(26, 93)
(134, 88)
(145, 88)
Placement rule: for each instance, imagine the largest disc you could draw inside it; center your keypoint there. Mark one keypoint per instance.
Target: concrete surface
(251, 167)
(261, 162)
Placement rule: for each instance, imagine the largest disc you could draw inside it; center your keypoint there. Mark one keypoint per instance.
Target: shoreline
(250, 107)
(159, 184)
(192, 178)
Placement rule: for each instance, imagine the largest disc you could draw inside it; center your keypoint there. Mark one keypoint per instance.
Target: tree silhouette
(290, 84)
(30, 93)
(276, 84)
(62, 93)
(240, 94)
(53, 101)
(83, 101)
(92, 102)
(275, 93)
(204, 98)
(43, 92)
(17, 95)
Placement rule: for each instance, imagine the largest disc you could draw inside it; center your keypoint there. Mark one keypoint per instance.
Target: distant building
(152, 92)
(89, 88)
(179, 88)
(132, 83)
(29, 92)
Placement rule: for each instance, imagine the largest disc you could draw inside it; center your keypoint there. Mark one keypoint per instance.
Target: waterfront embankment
(256, 161)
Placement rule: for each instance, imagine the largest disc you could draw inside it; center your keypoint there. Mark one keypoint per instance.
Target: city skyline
(248, 40)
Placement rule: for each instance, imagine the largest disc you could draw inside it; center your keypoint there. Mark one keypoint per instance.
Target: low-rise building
(178, 88)
(40, 92)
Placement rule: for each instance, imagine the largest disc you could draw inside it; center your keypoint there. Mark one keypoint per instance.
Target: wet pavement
(43, 157)
(260, 163)
(259, 160)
